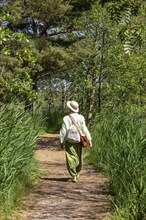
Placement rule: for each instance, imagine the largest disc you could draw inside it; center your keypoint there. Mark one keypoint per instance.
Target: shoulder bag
(83, 139)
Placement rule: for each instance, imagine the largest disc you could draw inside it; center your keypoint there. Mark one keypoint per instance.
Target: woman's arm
(86, 131)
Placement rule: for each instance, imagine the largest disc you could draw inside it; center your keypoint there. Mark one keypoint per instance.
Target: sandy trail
(55, 198)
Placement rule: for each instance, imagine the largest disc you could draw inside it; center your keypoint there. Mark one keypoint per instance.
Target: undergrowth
(18, 168)
(120, 150)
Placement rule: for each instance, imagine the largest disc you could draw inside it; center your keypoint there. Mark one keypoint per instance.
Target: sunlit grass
(120, 150)
(18, 168)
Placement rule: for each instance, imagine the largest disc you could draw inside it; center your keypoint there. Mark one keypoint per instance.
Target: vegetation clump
(18, 169)
(120, 144)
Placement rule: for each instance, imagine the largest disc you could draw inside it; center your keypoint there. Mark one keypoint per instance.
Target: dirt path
(55, 198)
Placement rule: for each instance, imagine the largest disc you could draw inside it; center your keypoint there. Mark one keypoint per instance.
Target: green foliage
(51, 13)
(72, 50)
(51, 25)
(17, 61)
(82, 5)
(124, 83)
(55, 116)
(48, 117)
(17, 165)
(119, 148)
(128, 14)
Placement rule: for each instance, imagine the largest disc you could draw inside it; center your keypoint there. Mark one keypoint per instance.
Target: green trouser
(73, 157)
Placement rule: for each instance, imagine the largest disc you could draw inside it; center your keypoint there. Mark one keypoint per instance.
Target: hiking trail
(55, 198)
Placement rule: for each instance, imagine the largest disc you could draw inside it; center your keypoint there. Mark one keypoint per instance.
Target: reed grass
(18, 168)
(48, 120)
(120, 149)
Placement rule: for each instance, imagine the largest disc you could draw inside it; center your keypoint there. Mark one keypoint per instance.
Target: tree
(50, 27)
(110, 77)
(90, 74)
(17, 62)
(130, 16)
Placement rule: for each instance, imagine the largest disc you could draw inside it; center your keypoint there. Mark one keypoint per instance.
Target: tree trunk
(91, 101)
(101, 68)
(99, 95)
(63, 94)
(29, 104)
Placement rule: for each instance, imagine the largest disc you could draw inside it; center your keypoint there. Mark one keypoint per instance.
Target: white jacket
(80, 120)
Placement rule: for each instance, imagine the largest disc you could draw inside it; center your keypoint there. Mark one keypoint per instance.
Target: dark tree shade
(82, 5)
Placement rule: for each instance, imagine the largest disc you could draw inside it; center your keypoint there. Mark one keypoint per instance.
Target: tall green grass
(48, 120)
(17, 164)
(120, 149)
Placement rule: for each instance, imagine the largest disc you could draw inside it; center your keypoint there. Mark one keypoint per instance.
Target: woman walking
(73, 150)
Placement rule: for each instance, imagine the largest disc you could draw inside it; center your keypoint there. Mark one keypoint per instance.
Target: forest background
(93, 52)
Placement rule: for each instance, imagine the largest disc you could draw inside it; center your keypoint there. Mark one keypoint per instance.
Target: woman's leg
(73, 158)
(79, 152)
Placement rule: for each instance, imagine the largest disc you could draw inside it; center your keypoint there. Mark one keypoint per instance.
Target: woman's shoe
(74, 179)
(78, 176)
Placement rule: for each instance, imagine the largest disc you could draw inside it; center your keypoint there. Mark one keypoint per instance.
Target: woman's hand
(90, 144)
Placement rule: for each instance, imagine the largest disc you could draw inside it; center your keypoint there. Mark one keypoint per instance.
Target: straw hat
(73, 105)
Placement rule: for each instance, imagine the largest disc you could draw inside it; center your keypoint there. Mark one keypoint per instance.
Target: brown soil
(55, 198)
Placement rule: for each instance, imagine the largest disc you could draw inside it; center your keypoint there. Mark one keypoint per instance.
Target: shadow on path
(56, 198)
(56, 179)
